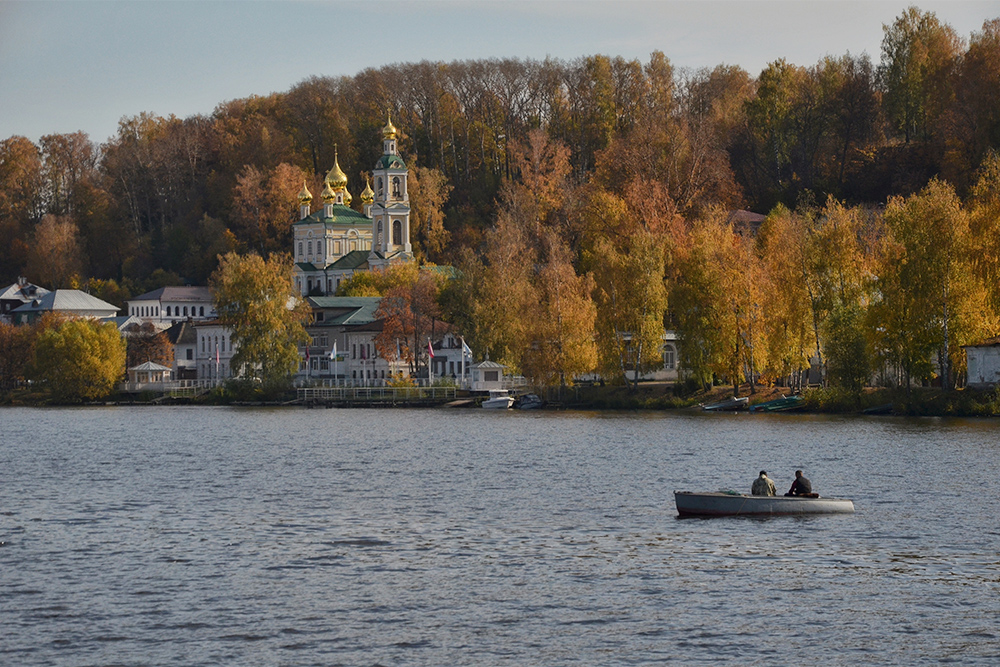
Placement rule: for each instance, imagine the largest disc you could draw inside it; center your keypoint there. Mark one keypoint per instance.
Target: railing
(376, 394)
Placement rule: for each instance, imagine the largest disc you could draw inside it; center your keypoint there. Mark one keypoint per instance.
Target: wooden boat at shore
(733, 403)
(738, 504)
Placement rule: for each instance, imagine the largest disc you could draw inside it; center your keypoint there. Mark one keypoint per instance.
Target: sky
(83, 65)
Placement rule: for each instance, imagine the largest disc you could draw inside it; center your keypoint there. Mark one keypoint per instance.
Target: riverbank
(919, 401)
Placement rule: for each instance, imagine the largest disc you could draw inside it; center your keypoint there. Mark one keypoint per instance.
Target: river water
(227, 536)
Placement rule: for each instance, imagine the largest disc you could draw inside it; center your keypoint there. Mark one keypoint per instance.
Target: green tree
(848, 360)
(919, 57)
(255, 300)
(79, 360)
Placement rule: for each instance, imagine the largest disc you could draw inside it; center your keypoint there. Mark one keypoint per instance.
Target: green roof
(345, 309)
(352, 260)
(390, 162)
(342, 215)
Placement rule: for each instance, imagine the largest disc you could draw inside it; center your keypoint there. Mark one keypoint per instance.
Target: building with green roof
(333, 243)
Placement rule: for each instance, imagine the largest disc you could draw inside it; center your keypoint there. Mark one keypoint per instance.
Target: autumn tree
(428, 190)
(928, 299)
(265, 205)
(55, 258)
(79, 360)
(15, 352)
(144, 342)
(408, 312)
(256, 302)
(919, 57)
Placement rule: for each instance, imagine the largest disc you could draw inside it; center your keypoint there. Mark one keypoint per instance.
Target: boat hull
(504, 403)
(728, 405)
(724, 504)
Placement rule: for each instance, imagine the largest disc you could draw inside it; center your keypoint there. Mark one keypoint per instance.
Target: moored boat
(733, 403)
(499, 399)
(738, 504)
(529, 402)
(779, 404)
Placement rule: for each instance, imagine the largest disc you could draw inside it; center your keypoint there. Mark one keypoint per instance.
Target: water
(196, 536)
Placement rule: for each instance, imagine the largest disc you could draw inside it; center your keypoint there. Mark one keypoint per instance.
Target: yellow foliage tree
(79, 360)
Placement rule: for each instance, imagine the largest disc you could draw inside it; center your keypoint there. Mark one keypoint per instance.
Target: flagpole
(430, 364)
(462, 338)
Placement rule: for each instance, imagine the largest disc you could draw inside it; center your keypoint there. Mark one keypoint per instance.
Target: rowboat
(738, 504)
(728, 404)
(779, 404)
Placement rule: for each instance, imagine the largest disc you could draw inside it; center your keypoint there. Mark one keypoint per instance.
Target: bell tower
(390, 210)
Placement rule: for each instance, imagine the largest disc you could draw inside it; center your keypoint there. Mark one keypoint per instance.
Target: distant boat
(500, 399)
(728, 404)
(738, 504)
(529, 402)
(779, 404)
(884, 409)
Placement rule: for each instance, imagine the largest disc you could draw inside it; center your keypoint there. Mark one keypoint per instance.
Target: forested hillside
(576, 187)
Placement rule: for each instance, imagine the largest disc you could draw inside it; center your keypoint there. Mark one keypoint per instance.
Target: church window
(310, 247)
(378, 235)
(186, 311)
(395, 187)
(397, 232)
(378, 185)
(300, 248)
(168, 311)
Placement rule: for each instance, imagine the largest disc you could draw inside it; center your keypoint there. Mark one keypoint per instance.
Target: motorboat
(733, 403)
(529, 402)
(499, 399)
(782, 404)
(730, 503)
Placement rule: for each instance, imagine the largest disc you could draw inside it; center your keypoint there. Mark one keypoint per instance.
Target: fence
(376, 394)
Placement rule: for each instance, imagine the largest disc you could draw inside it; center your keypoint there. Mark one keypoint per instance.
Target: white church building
(334, 242)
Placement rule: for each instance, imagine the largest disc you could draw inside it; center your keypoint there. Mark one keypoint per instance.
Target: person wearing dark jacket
(801, 486)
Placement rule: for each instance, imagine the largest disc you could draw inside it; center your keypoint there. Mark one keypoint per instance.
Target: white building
(214, 351)
(169, 305)
(330, 245)
(983, 364)
(16, 295)
(71, 302)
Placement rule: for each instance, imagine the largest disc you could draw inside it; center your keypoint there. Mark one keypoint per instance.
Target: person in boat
(763, 486)
(801, 486)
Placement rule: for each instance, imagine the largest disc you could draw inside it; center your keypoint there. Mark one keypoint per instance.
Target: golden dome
(336, 177)
(389, 131)
(347, 197)
(305, 196)
(329, 196)
(367, 195)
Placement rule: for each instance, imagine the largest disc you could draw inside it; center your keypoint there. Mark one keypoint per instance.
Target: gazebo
(149, 373)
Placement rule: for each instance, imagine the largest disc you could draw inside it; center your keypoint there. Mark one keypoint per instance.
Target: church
(332, 244)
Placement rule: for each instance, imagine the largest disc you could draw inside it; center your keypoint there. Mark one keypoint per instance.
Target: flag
(216, 354)
(307, 353)
(430, 350)
(466, 350)
(333, 352)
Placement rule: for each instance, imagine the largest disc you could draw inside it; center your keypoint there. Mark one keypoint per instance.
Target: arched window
(395, 187)
(310, 246)
(378, 186)
(201, 311)
(378, 234)
(300, 248)
(168, 311)
(397, 232)
(186, 311)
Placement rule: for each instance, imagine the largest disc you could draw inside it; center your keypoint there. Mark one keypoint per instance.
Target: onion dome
(367, 195)
(305, 196)
(329, 196)
(347, 197)
(336, 177)
(389, 131)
